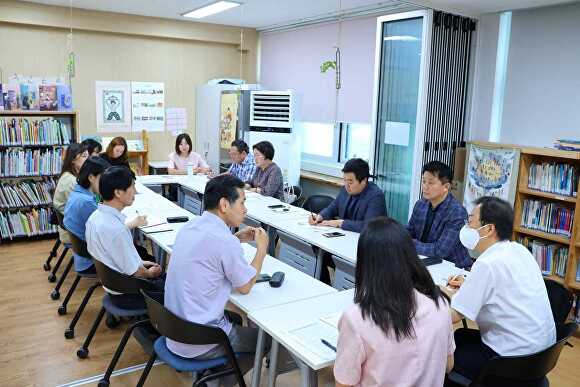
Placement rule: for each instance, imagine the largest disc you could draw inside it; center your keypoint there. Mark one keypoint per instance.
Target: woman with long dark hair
(75, 156)
(399, 331)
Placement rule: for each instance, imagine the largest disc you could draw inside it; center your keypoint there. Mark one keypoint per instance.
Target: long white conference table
(298, 314)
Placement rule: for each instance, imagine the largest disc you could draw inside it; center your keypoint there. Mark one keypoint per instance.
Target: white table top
(296, 286)
(280, 321)
(306, 317)
(293, 222)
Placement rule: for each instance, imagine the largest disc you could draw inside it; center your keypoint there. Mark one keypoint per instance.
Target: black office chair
(116, 282)
(52, 275)
(317, 203)
(513, 371)
(80, 248)
(172, 327)
(560, 300)
(54, 251)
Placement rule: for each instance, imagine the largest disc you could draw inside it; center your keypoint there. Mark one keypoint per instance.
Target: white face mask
(469, 237)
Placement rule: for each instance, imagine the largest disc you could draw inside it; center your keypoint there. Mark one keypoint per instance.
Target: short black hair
(439, 170)
(181, 137)
(266, 148)
(94, 166)
(222, 186)
(241, 146)
(498, 212)
(92, 145)
(359, 167)
(117, 177)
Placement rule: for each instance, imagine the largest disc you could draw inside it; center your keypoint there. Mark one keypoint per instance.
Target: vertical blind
(448, 80)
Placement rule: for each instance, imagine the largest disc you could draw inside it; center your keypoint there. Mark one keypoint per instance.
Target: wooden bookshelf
(528, 156)
(71, 121)
(142, 155)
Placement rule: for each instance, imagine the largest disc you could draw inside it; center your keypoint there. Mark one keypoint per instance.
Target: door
(400, 93)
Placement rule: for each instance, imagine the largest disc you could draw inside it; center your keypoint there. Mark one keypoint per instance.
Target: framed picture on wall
(490, 170)
(113, 106)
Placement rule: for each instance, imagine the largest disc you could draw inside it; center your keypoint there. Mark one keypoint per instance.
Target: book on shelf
(30, 162)
(547, 217)
(34, 96)
(25, 131)
(26, 193)
(568, 144)
(552, 258)
(557, 178)
(48, 97)
(29, 96)
(26, 223)
(578, 272)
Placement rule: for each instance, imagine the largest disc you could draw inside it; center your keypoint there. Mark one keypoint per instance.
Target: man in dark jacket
(358, 202)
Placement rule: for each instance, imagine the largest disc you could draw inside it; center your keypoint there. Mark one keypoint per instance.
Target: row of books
(34, 96)
(25, 131)
(578, 272)
(568, 144)
(30, 162)
(547, 217)
(26, 193)
(552, 258)
(556, 178)
(29, 223)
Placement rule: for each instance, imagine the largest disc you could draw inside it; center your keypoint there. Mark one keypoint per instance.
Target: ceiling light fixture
(211, 9)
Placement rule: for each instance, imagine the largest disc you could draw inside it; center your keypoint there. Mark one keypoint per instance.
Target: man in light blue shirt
(81, 204)
(243, 164)
(208, 263)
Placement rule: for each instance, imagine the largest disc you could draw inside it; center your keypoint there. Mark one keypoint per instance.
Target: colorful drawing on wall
(228, 119)
(490, 172)
(113, 106)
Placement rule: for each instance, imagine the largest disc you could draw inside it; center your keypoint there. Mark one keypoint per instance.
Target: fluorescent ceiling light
(211, 9)
(404, 38)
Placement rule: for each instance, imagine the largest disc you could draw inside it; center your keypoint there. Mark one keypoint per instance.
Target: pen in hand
(328, 344)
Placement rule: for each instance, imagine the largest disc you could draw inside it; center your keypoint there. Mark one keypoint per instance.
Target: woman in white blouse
(184, 156)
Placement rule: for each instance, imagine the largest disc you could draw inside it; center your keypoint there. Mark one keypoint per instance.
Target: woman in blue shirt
(82, 202)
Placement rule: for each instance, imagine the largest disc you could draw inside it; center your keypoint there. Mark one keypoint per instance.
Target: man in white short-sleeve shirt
(207, 263)
(109, 239)
(504, 293)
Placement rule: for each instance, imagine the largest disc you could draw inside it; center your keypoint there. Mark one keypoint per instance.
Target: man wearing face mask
(504, 293)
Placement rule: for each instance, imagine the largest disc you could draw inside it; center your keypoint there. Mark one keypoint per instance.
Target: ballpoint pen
(328, 345)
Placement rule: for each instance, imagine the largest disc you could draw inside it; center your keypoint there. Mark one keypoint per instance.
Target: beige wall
(113, 47)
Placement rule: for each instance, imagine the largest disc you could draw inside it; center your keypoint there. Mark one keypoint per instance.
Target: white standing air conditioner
(272, 119)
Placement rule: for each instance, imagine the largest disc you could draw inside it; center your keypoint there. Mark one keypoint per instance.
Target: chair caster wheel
(112, 322)
(69, 334)
(82, 353)
(55, 295)
(46, 267)
(104, 383)
(51, 277)
(62, 310)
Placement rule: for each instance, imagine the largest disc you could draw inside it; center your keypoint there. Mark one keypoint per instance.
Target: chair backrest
(317, 203)
(560, 300)
(119, 282)
(178, 329)
(525, 368)
(60, 219)
(79, 246)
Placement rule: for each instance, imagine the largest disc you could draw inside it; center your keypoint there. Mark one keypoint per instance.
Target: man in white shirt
(504, 293)
(208, 263)
(109, 239)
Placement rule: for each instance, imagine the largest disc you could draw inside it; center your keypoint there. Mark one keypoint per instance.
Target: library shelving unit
(566, 201)
(26, 196)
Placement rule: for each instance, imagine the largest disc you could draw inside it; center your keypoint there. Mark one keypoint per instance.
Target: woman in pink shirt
(184, 156)
(398, 332)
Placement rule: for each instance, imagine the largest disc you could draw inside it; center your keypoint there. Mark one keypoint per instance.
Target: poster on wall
(228, 119)
(148, 102)
(490, 171)
(113, 106)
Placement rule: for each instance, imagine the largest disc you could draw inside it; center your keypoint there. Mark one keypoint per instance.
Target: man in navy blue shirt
(438, 217)
(358, 202)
